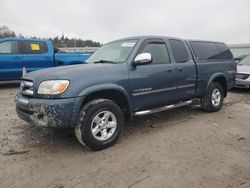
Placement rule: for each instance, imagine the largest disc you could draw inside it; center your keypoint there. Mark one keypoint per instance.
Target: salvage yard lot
(184, 147)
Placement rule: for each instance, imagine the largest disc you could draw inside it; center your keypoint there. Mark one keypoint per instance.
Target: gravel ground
(183, 147)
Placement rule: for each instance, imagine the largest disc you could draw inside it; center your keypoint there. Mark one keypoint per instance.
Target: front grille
(26, 87)
(242, 76)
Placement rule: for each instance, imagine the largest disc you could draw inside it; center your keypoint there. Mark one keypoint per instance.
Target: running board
(146, 112)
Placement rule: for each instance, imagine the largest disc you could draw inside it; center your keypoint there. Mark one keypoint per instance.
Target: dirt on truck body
(183, 147)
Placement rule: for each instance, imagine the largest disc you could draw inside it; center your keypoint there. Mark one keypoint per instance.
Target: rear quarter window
(34, 47)
(179, 50)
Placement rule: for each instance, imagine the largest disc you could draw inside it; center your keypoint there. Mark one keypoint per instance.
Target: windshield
(245, 61)
(115, 52)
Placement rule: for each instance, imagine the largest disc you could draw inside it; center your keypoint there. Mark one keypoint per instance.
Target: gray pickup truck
(125, 78)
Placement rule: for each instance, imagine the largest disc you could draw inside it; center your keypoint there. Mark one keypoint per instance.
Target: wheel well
(222, 80)
(114, 95)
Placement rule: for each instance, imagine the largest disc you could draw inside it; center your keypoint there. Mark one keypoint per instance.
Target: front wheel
(99, 124)
(213, 100)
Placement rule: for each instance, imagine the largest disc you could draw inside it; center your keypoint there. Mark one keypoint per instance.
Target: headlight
(53, 87)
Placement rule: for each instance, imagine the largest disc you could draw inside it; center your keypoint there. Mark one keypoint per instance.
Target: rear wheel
(213, 101)
(99, 124)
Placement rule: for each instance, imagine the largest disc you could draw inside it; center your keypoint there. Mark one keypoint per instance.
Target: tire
(99, 124)
(213, 100)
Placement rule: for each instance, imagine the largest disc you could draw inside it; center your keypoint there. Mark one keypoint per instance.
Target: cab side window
(158, 51)
(34, 47)
(9, 47)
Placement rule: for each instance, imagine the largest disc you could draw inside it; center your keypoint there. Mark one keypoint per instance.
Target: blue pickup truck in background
(32, 54)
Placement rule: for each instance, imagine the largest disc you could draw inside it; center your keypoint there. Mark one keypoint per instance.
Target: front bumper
(46, 112)
(240, 83)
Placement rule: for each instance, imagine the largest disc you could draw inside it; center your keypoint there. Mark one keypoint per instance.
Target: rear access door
(36, 55)
(185, 70)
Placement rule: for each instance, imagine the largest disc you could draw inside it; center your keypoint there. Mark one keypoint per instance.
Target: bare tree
(62, 41)
(6, 32)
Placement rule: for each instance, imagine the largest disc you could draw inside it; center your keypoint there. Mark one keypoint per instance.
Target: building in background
(239, 49)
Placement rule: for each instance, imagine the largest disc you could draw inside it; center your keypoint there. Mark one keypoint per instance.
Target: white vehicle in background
(243, 73)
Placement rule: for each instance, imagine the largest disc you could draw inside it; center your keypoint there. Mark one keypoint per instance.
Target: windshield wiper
(105, 61)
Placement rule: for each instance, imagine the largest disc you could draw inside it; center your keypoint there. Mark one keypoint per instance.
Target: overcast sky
(106, 20)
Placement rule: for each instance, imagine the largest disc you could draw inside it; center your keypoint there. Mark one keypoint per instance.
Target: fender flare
(87, 91)
(215, 76)
(102, 87)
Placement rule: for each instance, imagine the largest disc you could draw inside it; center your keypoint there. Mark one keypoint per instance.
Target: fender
(214, 76)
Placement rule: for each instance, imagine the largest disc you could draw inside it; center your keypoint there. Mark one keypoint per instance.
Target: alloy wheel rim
(216, 97)
(103, 125)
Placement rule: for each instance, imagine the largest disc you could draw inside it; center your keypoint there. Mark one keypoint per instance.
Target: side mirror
(143, 59)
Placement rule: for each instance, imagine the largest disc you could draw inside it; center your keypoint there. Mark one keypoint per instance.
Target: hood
(62, 72)
(245, 69)
(80, 76)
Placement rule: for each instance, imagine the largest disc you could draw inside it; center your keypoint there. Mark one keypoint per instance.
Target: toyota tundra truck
(20, 55)
(125, 78)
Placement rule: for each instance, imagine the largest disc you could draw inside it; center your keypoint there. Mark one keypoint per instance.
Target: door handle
(170, 70)
(47, 58)
(180, 69)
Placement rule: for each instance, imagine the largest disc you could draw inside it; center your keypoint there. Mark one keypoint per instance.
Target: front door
(153, 85)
